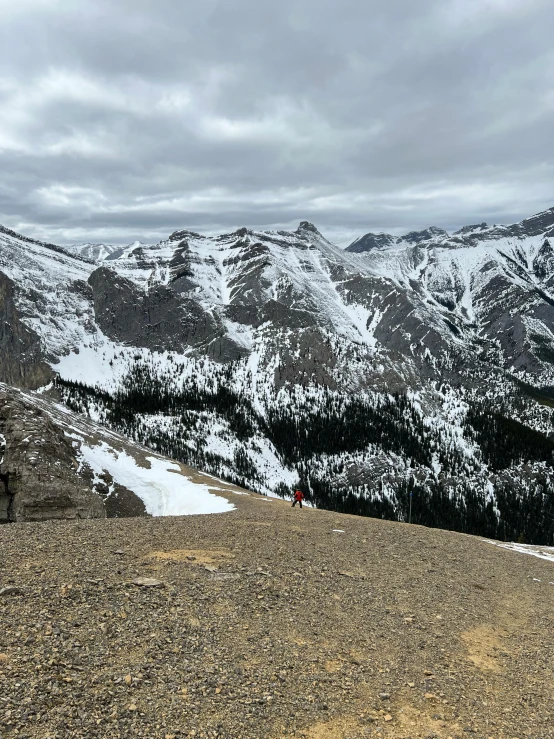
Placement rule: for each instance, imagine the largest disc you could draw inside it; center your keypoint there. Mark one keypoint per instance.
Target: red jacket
(298, 495)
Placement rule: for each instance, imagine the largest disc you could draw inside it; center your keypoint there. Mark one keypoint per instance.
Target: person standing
(298, 498)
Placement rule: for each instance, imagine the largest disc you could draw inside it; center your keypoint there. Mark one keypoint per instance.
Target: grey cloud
(119, 119)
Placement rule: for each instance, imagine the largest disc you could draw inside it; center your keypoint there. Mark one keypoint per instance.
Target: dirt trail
(268, 624)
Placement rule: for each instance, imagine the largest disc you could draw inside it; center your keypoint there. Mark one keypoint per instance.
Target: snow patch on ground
(163, 488)
(530, 549)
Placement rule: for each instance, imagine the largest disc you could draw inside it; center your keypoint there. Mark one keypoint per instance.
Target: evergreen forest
(435, 483)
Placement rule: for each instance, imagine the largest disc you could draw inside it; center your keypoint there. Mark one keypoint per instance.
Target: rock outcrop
(56, 464)
(21, 360)
(164, 318)
(39, 472)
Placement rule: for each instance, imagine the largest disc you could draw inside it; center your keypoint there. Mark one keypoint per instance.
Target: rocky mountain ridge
(220, 350)
(539, 224)
(423, 302)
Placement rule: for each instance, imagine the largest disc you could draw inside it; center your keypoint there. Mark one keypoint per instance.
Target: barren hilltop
(267, 622)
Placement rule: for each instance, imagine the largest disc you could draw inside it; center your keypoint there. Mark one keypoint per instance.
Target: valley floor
(271, 622)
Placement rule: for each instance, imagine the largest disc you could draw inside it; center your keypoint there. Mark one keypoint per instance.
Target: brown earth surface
(268, 623)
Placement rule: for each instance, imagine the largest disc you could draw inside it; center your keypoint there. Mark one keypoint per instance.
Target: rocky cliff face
(21, 359)
(160, 319)
(39, 471)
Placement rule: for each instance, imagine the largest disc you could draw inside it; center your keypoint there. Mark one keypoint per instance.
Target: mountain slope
(275, 359)
(490, 284)
(93, 252)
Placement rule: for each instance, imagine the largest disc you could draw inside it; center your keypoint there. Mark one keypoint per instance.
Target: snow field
(163, 488)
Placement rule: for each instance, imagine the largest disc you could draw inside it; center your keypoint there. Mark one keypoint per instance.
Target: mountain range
(400, 368)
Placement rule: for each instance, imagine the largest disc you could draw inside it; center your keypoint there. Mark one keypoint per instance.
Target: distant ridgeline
(366, 455)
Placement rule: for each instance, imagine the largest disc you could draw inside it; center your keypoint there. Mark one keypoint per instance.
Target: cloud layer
(131, 119)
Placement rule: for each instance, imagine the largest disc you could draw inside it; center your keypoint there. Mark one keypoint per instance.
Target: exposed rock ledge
(39, 471)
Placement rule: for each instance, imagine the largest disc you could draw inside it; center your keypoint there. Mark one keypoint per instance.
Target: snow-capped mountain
(230, 352)
(102, 252)
(93, 252)
(492, 287)
(418, 308)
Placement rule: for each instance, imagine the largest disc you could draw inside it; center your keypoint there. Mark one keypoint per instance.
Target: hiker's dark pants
(295, 502)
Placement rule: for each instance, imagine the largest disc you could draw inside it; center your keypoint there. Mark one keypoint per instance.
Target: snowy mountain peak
(183, 235)
(428, 234)
(539, 223)
(93, 252)
(472, 229)
(371, 241)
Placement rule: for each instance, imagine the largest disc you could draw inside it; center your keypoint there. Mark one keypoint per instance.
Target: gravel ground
(267, 623)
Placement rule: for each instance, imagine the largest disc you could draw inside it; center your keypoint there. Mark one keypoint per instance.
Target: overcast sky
(127, 120)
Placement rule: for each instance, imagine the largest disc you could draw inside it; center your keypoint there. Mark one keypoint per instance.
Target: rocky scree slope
(271, 622)
(276, 359)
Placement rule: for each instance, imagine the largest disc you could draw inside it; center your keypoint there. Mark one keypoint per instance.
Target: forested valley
(504, 489)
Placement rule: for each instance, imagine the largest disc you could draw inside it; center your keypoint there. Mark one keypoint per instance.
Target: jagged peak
(240, 233)
(183, 234)
(532, 226)
(537, 223)
(304, 226)
(470, 229)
